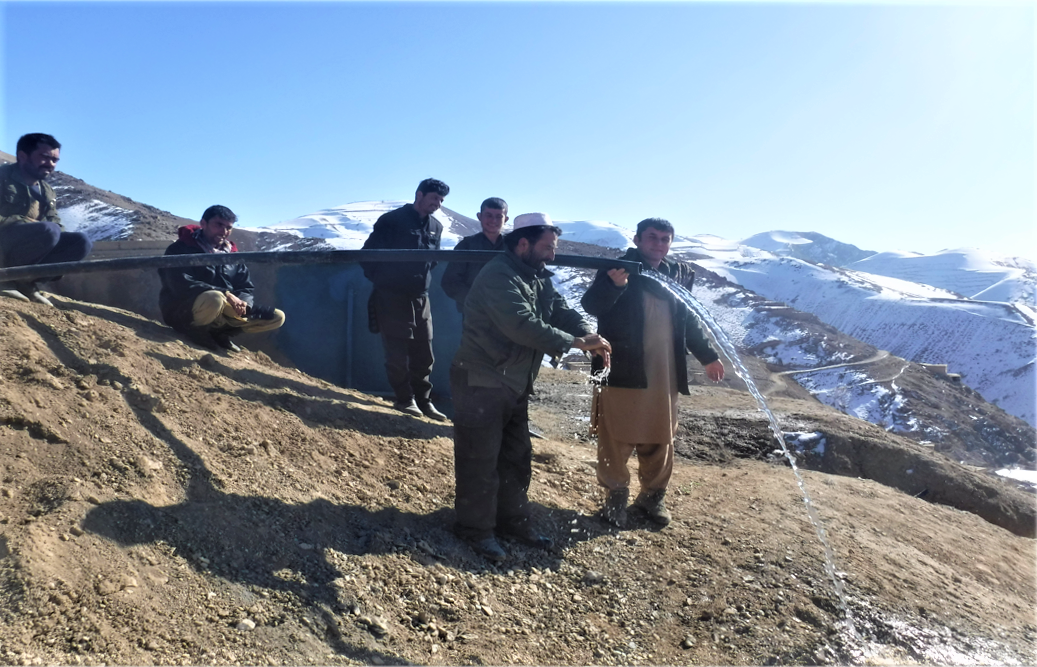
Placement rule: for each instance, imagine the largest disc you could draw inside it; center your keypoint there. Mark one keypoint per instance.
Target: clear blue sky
(888, 126)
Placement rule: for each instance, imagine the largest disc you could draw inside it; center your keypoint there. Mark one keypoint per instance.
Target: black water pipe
(37, 271)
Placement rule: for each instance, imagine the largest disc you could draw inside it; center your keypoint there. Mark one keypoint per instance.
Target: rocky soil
(162, 505)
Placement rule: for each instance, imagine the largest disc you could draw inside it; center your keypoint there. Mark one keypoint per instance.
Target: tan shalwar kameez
(642, 420)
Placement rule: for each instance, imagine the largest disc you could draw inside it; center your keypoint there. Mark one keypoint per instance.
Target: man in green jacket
(513, 316)
(30, 229)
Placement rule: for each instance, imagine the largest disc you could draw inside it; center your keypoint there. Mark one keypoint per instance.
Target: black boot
(222, 338)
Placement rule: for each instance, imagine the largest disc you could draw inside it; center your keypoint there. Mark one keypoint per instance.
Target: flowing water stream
(728, 349)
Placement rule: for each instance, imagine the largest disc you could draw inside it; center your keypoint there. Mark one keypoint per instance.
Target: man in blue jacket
(210, 304)
(651, 334)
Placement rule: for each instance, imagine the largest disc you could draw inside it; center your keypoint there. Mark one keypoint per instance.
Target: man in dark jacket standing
(513, 316)
(30, 229)
(651, 334)
(209, 304)
(459, 276)
(399, 304)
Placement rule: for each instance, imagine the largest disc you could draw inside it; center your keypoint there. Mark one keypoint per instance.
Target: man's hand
(596, 344)
(239, 306)
(715, 371)
(619, 277)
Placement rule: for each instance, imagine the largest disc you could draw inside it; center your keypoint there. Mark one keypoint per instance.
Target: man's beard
(529, 260)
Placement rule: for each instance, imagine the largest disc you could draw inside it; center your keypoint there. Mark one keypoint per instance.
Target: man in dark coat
(209, 304)
(30, 229)
(651, 334)
(399, 305)
(459, 276)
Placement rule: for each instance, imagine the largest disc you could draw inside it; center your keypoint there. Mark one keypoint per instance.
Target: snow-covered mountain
(928, 309)
(347, 227)
(992, 344)
(972, 273)
(810, 246)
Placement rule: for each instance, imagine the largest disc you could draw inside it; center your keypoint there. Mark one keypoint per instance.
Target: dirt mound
(161, 505)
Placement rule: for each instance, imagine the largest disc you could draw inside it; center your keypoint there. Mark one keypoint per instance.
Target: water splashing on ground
(684, 296)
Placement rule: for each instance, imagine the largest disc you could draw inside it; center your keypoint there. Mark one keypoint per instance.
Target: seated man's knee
(207, 307)
(79, 244)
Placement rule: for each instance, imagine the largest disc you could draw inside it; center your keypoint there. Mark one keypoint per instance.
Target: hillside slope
(161, 505)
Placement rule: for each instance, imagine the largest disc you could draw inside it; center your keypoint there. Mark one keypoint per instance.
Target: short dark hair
(533, 233)
(29, 142)
(218, 211)
(655, 223)
(434, 185)
(494, 202)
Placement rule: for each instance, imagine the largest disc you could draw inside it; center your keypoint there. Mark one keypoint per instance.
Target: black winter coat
(621, 314)
(402, 229)
(180, 287)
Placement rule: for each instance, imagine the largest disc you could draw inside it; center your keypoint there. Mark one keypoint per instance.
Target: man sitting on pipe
(30, 229)
(210, 304)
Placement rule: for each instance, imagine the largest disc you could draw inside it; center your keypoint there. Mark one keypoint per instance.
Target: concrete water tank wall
(325, 332)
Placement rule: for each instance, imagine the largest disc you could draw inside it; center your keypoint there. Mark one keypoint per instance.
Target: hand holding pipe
(36, 271)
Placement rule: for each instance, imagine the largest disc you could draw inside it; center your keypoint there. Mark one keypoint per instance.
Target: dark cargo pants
(405, 323)
(492, 457)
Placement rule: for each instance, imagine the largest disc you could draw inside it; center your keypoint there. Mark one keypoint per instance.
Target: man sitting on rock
(210, 304)
(30, 229)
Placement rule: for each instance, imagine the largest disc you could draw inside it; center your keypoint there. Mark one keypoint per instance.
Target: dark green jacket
(15, 199)
(513, 316)
(459, 276)
(621, 320)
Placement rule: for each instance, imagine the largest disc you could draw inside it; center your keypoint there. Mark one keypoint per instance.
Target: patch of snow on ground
(1028, 476)
(805, 442)
(854, 393)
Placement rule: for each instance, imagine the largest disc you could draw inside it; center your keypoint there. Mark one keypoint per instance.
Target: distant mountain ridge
(809, 246)
(760, 323)
(918, 320)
